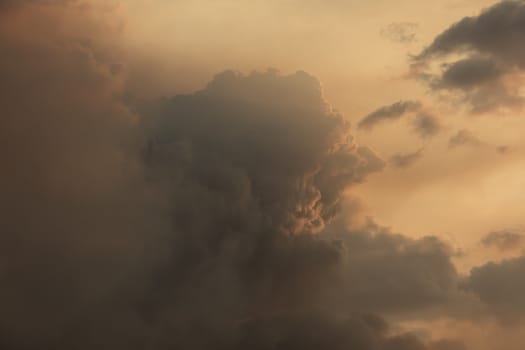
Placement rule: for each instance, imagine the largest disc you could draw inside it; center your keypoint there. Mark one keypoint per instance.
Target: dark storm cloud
(293, 154)
(207, 228)
(405, 160)
(389, 113)
(193, 222)
(464, 137)
(491, 42)
(503, 240)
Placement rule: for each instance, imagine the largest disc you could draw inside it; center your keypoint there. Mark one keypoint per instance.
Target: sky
(262, 174)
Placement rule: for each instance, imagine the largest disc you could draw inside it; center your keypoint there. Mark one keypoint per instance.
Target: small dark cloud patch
(406, 160)
(401, 32)
(389, 113)
(464, 137)
(503, 240)
(426, 124)
(503, 150)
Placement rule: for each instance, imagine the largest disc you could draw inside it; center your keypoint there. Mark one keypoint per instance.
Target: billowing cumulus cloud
(175, 222)
(274, 134)
(488, 76)
(207, 220)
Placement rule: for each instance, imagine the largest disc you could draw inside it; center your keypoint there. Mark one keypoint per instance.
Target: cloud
(193, 221)
(447, 344)
(503, 240)
(77, 218)
(500, 287)
(391, 273)
(468, 73)
(367, 332)
(162, 223)
(389, 113)
(503, 149)
(495, 32)
(315, 332)
(426, 125)
(464, 137)
(405, 160)
(487, 78)
(401, 32)
(298, 178)
(205, 220)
